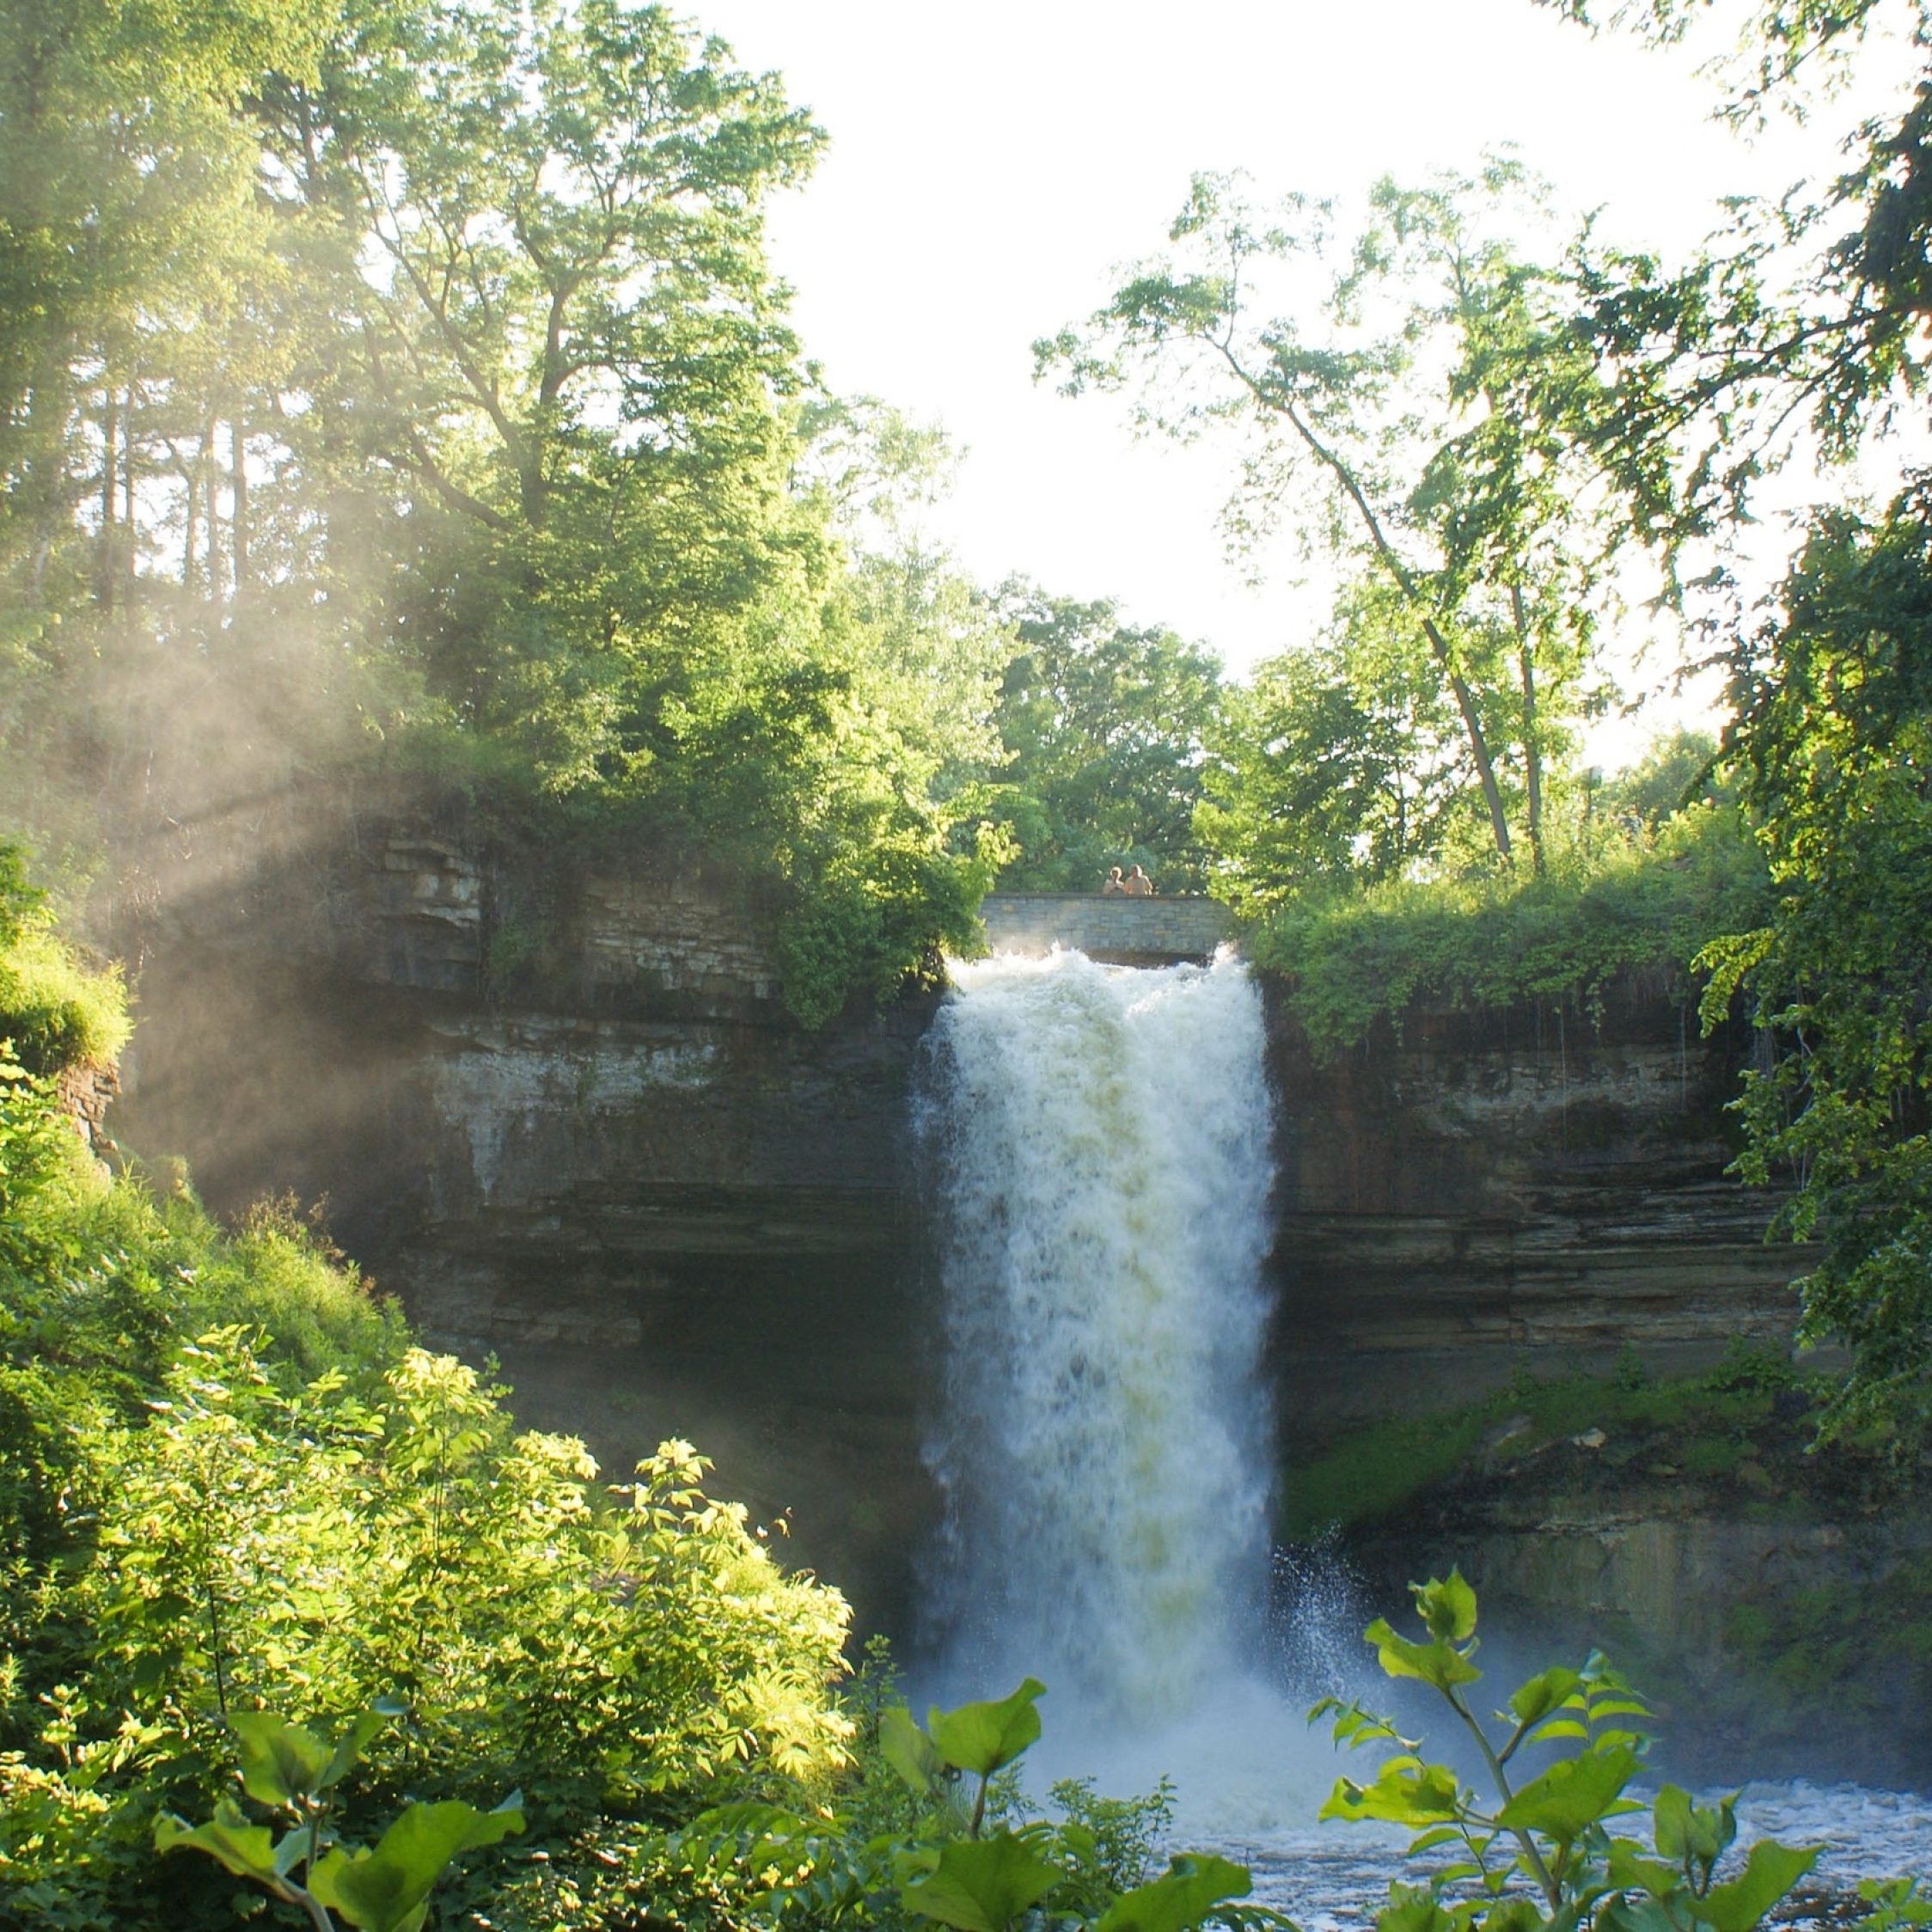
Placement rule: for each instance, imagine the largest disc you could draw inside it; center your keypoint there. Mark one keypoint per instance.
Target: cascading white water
(1100, 1139)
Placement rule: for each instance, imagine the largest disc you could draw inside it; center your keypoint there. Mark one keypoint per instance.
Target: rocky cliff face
(1497, 1193)
(553, 1102)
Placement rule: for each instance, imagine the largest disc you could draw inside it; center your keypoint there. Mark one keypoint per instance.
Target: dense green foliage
(55, 1011)
(1105, 725)
(228, 1483)
(1355, 960)
(383, 1887)
(405, 385)
(1833, 740)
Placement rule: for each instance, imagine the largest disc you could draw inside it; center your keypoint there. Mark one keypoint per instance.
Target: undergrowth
(1503, 940)
(1374, 1473)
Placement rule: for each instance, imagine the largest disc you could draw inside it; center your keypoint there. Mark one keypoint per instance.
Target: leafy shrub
(56, 1012)
(1502, 940)
(227, 1483)
(1535, 1851)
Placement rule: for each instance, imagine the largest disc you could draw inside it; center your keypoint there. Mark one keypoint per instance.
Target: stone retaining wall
(1128, 932)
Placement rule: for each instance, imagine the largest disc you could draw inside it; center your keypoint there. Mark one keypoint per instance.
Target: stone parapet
(1121, 931)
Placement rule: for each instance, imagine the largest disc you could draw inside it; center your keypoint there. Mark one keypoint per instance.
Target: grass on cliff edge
(1498, 940)
(1701, 1424)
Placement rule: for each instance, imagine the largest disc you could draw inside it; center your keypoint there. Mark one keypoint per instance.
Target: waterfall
(1098, 1140)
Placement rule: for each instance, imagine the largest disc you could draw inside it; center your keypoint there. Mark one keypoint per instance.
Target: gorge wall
(1478, 1193)
(554, 1104)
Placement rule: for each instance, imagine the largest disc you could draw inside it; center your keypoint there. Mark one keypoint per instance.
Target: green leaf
(247, 1850)
(1572, 1796)
(1769, 1871)
(281, 1762)
(1404, 1792)
(385, 1890)
(1413, 1908)
(981, 1885)
(1433, 1663)
(909, 1749)
(1558, 1728)
(1550, 1691)
(1670, 1824)
(1184, 1895)
(1447, 1608)
(1355, 1727)
(1686, 1831)
(981, 1738)
(1524, 1914)
(350, 1746)
(1629, 1870)
(1641, 1915)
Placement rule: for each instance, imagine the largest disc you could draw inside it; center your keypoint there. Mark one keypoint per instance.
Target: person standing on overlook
(1113, 884)
(1138, 885)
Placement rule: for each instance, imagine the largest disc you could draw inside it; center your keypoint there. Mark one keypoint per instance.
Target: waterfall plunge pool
(1097, 1142)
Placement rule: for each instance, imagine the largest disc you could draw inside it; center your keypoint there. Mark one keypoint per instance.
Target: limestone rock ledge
(553, 1100)
(1495, 1193)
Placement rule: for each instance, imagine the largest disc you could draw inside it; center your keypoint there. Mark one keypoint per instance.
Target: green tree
(571, 345)
(1419, 407)
(432, 403)
(1716, 382)
(1105, 726)
(1832, 744)
(1336, 766)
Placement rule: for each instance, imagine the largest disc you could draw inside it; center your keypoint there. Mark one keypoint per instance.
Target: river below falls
(1331, 1878)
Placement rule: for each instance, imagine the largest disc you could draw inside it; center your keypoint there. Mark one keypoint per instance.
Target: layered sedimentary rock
(554, 1101)
(1480, 1195)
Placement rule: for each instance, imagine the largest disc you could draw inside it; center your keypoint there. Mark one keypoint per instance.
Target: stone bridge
(1120, 932)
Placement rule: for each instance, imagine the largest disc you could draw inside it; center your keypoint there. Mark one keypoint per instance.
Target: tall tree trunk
(108, 563)
(190, 515)
(1405, 581)
(238, 526)
(127, 474)
(214, 469)
(1532, 746)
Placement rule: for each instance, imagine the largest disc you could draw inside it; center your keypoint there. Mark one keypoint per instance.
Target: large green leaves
(909, 1751)
(1438, 1663)
(981, 1885)
(385, 1890)
(1572, 1796)
(1406, 1791)
(1447, 1608)
(984, 1738)
(1181, 1897)
(247, 1850)
(1769, 1871)
(283, 1764)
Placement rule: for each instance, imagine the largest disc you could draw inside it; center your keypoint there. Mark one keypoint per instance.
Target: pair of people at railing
(1135, 885)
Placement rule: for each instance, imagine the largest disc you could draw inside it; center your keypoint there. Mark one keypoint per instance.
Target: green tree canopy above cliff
(1104, 724)
(402, 382)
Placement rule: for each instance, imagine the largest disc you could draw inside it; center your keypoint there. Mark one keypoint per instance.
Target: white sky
(991, 163)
